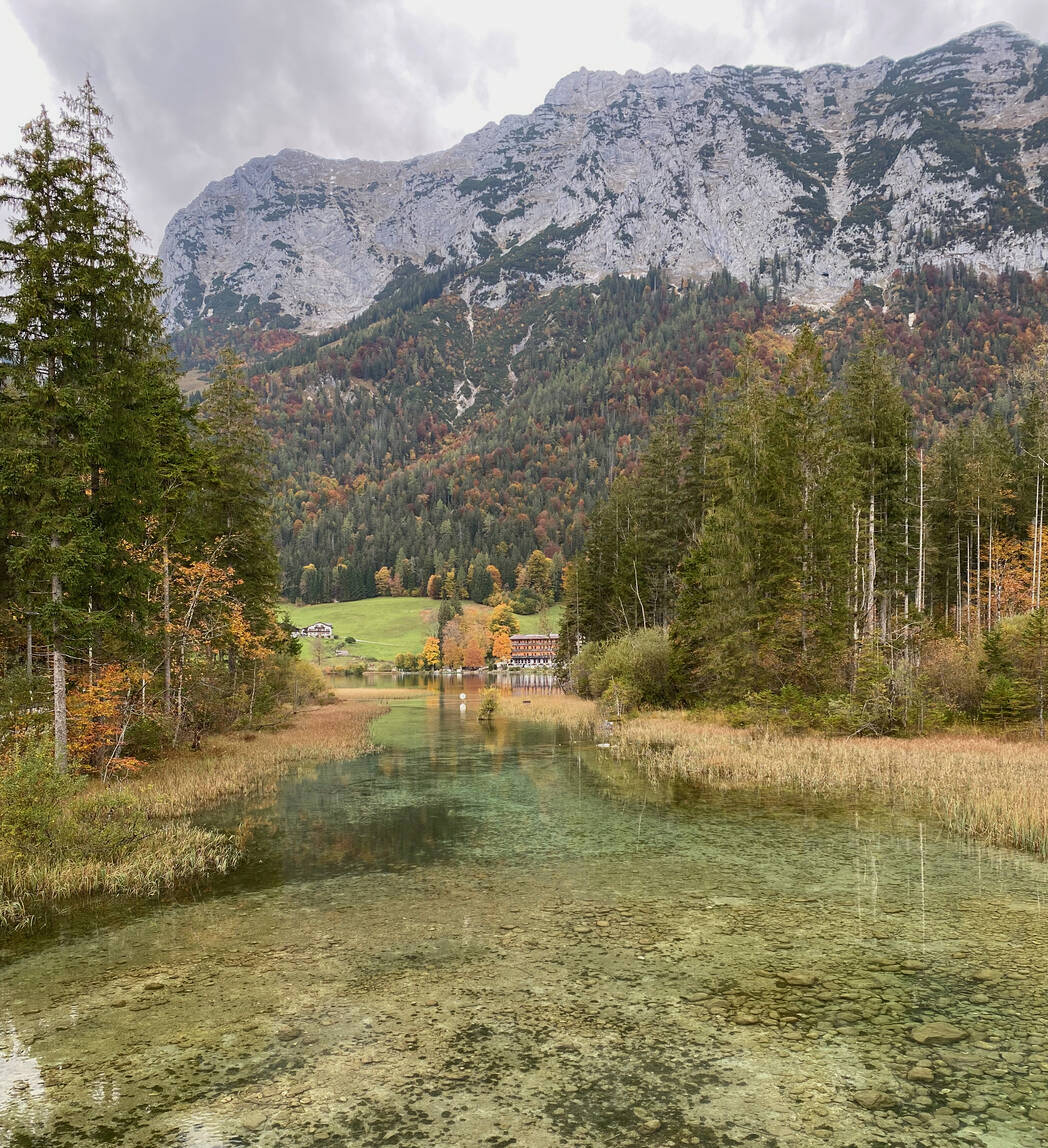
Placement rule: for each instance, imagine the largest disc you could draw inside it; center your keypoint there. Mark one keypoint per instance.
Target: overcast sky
(197, 87)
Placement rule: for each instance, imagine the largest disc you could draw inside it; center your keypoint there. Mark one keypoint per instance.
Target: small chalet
(533, 649)
(317, 630)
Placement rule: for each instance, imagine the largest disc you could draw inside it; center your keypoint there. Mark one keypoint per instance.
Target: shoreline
(161, 850)
(986, 789)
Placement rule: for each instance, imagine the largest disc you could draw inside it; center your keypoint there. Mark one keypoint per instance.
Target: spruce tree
(94, 437)
(728, 608)
(877, 421)
(232, 520)
(44, 340)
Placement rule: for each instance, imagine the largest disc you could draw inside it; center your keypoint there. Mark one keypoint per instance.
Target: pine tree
(1034, 639)
(44, 336)
(877, 422)
(94, 435)
(233, 516)
(728, 607)
(810, 565)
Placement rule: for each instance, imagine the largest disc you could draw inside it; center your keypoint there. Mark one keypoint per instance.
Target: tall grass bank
(64, 837)
(986, 788)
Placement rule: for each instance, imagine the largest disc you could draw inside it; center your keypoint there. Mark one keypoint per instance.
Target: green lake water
(485, 935)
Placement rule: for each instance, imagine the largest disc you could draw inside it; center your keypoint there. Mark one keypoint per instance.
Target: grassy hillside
(385, 627)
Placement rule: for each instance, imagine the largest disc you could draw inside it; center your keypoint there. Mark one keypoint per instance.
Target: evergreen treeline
(377, 465)
(137, 565)
(809, 555)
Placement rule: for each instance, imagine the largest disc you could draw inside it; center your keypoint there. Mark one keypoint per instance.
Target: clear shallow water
(488, 936)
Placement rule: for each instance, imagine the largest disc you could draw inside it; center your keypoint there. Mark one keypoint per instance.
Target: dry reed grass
(978, 786)
(573, 713)
(174, 852)
(236, 765)
(982, 787)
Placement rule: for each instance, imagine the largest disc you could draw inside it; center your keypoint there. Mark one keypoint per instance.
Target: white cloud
(25, 83)
(198, 87)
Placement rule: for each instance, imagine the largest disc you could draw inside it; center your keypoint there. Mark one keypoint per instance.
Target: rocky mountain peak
(806, 180)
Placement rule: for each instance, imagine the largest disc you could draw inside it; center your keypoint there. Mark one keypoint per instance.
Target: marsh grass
(981, 787)
(132, 838)
(251, 765)
(574, 714)
(986, 788)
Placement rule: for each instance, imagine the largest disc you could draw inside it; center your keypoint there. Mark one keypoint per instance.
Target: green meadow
(385, 627)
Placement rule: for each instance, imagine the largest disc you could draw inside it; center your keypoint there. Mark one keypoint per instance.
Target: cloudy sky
(196, 87)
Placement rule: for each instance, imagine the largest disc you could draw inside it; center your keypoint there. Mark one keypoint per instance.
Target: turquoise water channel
(486, 935)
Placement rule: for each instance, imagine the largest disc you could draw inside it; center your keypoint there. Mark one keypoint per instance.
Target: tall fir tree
(232, 517)
(93, 427)
(877, 421)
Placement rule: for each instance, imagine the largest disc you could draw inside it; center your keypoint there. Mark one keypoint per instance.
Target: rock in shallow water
(937, 1032)
(873, 1099)
(799, 978)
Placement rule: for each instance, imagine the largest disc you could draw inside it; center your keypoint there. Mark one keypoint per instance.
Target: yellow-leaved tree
(431, 653)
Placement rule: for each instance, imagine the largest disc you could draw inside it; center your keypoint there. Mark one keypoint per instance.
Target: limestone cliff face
(809, 179)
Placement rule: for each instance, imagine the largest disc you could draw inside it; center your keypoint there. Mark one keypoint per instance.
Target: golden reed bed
(980, 786)
(232, 765)
(171, 851)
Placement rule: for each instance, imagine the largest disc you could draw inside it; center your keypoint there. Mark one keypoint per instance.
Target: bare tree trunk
(906, 540)
(58, 682)
(920, 537)
(1039, 538)
(968, 587)
(29, 648)
(871, 571)
(167, 632)
(640, 600)
(855, 599)
(978, 566)
(1035, 590)
(90, 649)
(1034, 562)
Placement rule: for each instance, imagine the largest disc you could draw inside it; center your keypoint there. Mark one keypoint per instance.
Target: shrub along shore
(63, 838)
(989, 789)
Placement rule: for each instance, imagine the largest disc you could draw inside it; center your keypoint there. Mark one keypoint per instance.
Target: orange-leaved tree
(501, 646)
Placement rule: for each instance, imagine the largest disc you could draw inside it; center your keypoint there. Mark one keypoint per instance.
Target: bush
(489, 703)
(642, 665)
(145, 738)
(580, 670)
(24, 699)
(32, 794)
(526, 601)
(950, 675)
(619, 698)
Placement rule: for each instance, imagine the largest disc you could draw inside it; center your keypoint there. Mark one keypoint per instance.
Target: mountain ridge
(804, 180)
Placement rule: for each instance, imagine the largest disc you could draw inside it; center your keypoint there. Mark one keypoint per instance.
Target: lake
(486, 935)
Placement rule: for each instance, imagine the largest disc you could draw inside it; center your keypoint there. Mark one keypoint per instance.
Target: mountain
(432, 438)
(798, 180)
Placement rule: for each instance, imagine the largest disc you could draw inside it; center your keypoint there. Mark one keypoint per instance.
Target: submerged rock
(938, 1032)
(874, 1100)
(799, 978)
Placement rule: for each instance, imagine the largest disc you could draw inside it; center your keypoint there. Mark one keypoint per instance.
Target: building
(317, 630)
(533, 649)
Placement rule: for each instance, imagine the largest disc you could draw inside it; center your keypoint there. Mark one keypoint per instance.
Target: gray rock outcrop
(807, 180)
